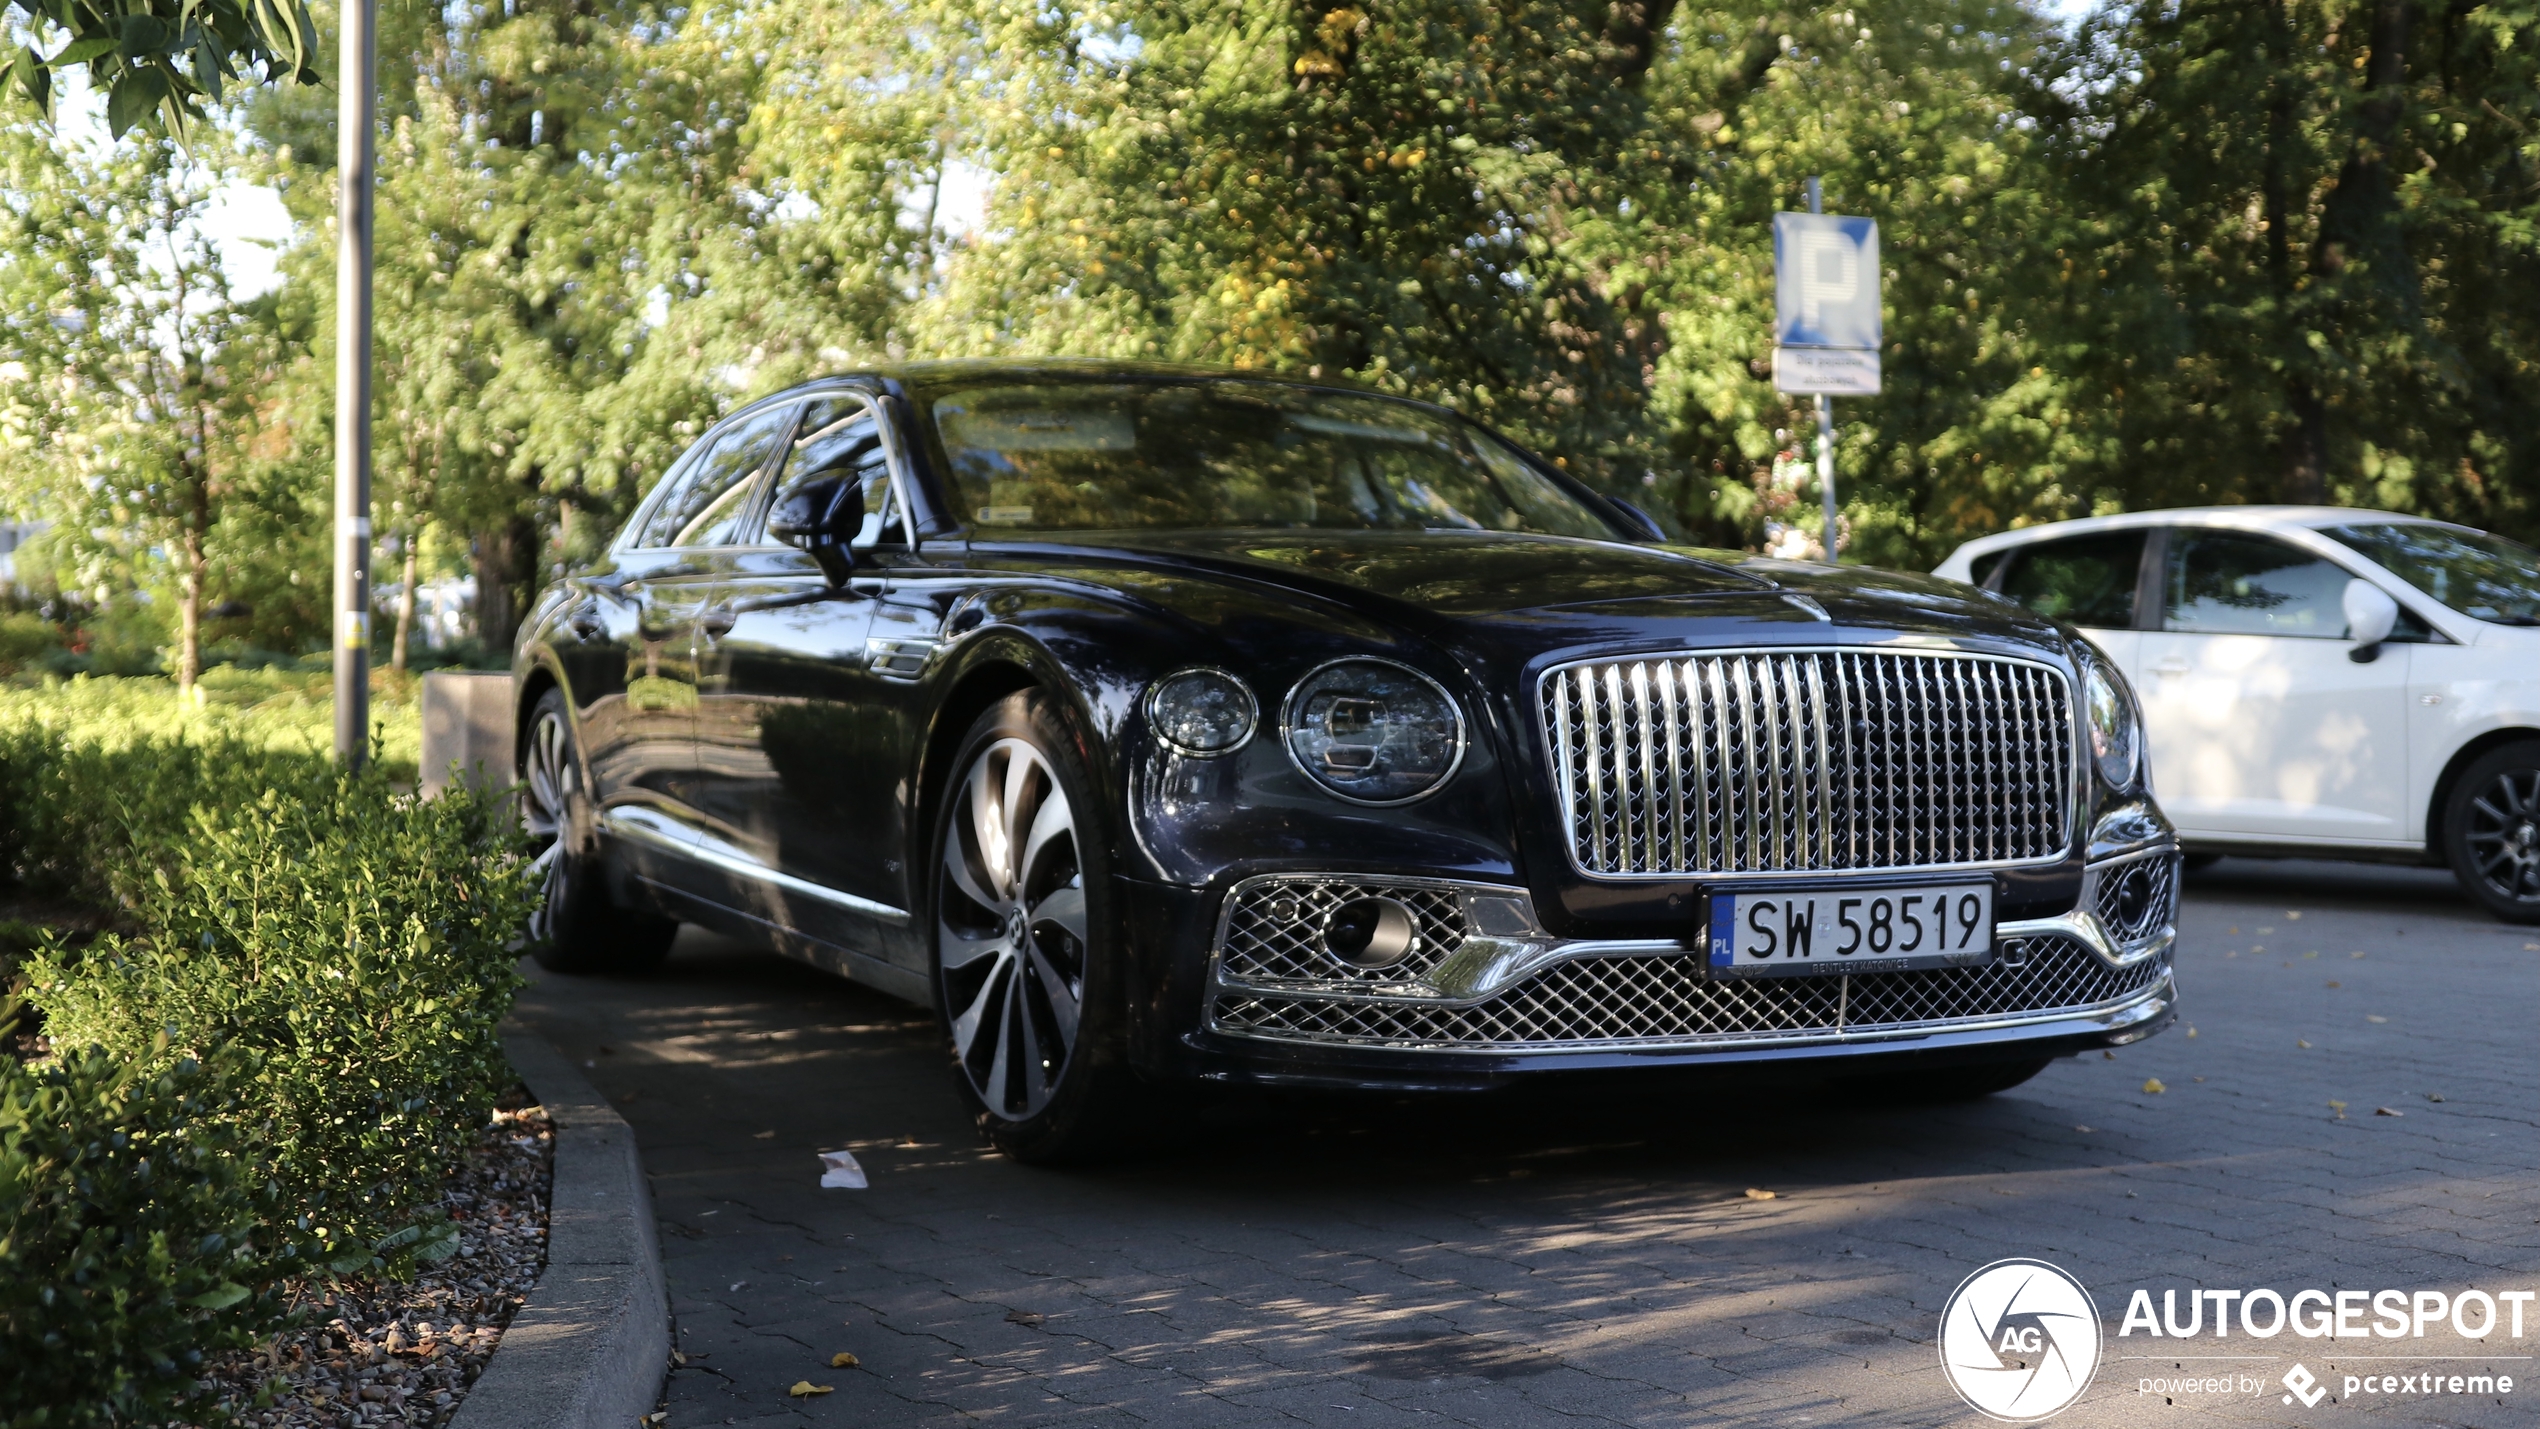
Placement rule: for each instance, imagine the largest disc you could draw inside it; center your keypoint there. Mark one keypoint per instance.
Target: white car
(2314, 680)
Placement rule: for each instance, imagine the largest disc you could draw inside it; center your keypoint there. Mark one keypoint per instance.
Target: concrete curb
(589, 1348)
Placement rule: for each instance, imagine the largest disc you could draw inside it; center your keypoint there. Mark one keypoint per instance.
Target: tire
(2491, 831)
(578, 928)
(1026, 957)
(1949, 1084)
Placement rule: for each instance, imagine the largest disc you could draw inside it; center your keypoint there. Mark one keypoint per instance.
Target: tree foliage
(2184, 250)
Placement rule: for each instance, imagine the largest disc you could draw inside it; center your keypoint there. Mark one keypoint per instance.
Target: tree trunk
(189, 613)
(506, 563)
(405, 610)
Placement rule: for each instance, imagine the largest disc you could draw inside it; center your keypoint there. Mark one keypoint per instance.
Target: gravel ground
(371, 1354)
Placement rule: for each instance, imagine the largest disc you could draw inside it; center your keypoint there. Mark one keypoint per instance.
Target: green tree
(136, 387)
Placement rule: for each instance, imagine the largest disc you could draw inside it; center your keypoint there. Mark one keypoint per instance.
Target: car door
(790, 775)
(2091, 581)
(643, 749)
(2260, 726)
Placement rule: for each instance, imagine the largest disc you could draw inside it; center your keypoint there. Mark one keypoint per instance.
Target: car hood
(1506, 590)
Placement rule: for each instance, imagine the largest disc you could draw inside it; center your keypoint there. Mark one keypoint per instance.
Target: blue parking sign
(1826, 276)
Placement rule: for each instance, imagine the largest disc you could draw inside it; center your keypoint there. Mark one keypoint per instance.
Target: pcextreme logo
(2019, 1341)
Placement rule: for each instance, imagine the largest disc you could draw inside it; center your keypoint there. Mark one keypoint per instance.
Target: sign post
(1826, 330)
(355, 158)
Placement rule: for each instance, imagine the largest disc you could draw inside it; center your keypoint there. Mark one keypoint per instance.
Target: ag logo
(2019, 1340)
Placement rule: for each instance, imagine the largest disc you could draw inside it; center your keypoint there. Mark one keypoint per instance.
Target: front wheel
(577, 928)
(2491, 831)
(1026, 962)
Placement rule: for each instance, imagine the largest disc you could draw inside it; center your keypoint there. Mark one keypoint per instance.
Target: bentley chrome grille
(1809, 761)
(1665, 999)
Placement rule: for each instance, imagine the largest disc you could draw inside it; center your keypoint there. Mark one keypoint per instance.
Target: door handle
(2171, 666)
(717, 621)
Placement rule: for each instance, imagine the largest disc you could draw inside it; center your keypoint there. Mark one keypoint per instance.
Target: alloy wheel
(1010, 929)
(548, 781)
(2503, 834)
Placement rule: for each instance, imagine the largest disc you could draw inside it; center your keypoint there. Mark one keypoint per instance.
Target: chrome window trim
(2077, 775)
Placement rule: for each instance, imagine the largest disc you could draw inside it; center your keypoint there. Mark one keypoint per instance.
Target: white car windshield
(2481, 576)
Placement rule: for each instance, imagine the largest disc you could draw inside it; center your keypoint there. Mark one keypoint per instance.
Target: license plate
(1820, 932)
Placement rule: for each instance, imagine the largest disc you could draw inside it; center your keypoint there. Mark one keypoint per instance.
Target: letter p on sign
(1826, 279)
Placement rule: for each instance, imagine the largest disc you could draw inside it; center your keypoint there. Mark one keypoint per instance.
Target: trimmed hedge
(299, 987)
(130, 1202)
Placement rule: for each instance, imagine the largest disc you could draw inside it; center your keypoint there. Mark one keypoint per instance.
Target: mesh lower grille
(1274, 931)
(2136, 900)
(1632, 1000)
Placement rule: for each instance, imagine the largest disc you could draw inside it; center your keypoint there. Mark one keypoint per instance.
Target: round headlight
(1202, 711)
(2116, 740)
(1374, 731)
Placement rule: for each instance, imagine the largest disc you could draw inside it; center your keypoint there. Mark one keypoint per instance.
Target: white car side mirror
(2370, 614)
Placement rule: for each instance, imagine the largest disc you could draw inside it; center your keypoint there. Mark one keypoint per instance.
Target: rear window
(2087, 580)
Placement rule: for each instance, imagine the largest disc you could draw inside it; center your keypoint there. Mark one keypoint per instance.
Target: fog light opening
(1371, 932)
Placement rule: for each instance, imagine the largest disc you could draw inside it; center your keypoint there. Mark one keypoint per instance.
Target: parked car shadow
(2330, 882)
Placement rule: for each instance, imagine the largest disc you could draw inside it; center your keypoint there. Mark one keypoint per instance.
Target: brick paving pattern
(1592, 1256)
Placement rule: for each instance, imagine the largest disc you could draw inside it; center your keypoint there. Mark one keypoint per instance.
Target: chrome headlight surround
(1402, 762)
(2114, 726)
(1202, 711)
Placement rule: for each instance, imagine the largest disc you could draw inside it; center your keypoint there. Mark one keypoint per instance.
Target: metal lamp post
(356, 164)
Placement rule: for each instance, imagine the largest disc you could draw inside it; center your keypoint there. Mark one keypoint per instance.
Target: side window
(713, 492)
(2222, 583)
(839, 437)
(2087, 580)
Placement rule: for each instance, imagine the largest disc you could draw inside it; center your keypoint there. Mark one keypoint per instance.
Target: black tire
(579, 928)
(1025, 943)
(2491, 831)
(1936, 1085)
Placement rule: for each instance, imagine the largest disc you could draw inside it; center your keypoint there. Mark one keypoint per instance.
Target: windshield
(2482, 576)
(1093, 456)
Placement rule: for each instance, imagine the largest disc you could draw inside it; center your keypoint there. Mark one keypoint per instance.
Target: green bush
(26, 637)
(355, 945)
(286, 1032)
(130, 1200)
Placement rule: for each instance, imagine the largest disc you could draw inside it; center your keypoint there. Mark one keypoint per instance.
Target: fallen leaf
(762, 1136)
(2191, 1031)
(2153, 1085)
(2386, 1111)
(2296, 917)
(805, 1389)
(2434, 1096)
(2301, 1042)
(1025, 1318)
(737, 1284)
(2108, 1056)
(2082, 1128)
(2332, 982)
(1753, 1194)
(2354, 955)
(2200, 1079)
(2372, 1017)
(843, 1360)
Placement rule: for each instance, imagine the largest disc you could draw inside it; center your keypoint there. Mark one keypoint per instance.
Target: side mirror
(826, 518)
(2370, 615)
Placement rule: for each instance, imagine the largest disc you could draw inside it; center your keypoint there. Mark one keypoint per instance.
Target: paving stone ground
(1591, 1256)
